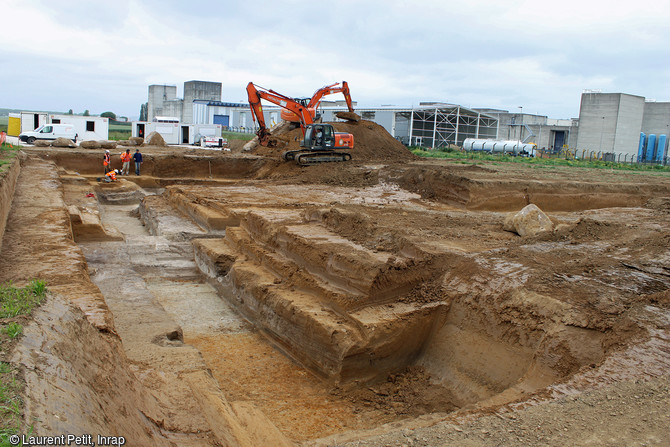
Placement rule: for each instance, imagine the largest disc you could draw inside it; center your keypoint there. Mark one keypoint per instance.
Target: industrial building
(615, 122)
(545, 133)
(612, 123)
(163, 99)
(429, 124)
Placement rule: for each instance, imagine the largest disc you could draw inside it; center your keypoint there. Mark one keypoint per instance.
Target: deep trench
(330, 316)
(465, 353)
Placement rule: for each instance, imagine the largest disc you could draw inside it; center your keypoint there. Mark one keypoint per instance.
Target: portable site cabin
(174, 132)
(87, 127)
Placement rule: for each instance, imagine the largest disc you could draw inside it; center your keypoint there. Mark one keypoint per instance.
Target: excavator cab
(319, 137)
(322, 144)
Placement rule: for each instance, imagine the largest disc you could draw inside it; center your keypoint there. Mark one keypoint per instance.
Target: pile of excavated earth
(371, 142)
(236, 299)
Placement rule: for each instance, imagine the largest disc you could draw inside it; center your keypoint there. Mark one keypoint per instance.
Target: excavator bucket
(349, 116)
(263, 136)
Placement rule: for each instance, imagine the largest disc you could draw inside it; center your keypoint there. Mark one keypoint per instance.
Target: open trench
(326, 320)
(334, 309)
(159, 299)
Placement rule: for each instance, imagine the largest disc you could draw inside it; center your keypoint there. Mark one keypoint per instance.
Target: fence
(239, 129)
(574, 154)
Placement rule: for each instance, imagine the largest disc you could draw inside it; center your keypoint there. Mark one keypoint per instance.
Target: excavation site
(238, 299)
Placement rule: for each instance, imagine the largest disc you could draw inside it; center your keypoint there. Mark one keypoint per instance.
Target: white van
(50, 132)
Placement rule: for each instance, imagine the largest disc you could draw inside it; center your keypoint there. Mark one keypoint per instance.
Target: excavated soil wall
(8, 180)
(478, 188)
(181, 164)
(471, 187)
(78, 375)
(354, 313)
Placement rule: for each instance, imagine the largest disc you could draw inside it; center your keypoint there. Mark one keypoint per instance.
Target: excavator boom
(256, 93)
(320, 142)
(315, 100)
(329, 90)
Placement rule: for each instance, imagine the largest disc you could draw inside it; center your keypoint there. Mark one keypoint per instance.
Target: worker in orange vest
(107, 162)
(111, 176)
(125, 158)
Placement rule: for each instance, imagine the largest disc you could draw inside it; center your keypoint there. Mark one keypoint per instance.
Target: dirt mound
(155, 139)
(106, 144)
(659, 204)
(132, 141)
(371, 143)
(90, 144)
(409, 392)
(63, 142)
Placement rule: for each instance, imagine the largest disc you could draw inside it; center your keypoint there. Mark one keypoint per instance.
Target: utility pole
(520, 128)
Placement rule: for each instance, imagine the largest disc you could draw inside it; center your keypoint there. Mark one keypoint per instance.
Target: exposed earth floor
(234, 299)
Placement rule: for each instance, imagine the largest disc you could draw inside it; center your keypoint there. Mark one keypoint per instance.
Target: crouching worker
(110, 176)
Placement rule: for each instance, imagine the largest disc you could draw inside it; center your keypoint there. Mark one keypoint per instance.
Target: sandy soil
(376, 302)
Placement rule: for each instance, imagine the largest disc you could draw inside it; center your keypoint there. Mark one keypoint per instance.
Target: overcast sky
(102, 55)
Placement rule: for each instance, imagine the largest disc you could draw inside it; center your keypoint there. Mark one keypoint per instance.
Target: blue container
(640, 147)
(660, 148)
(651, 147)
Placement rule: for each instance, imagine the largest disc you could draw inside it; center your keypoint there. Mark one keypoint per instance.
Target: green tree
(70, 112)
(87, 113)
(110, 115)
(143, 111)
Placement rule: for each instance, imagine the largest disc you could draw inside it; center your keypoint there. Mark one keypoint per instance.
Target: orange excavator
(320, 142)
(313, 103)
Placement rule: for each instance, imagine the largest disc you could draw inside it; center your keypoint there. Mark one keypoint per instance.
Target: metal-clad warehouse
(429, 125)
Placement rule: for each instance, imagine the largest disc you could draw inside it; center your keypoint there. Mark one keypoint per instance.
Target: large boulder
(90, 144)
(155, 139)
(106, 144)
(63, 142)
(528, 222)
(42, 143)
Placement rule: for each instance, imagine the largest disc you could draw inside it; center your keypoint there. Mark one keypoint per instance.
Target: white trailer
(87, 127)
(176, 133)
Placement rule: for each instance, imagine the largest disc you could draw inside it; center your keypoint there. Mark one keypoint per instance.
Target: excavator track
(307, 158)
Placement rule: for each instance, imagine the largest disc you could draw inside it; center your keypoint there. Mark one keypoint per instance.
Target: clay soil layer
(233, 299)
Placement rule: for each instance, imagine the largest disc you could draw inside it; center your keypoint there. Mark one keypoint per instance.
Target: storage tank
(640, 147)
(497, 146)
(651, 146)
(660, 148)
